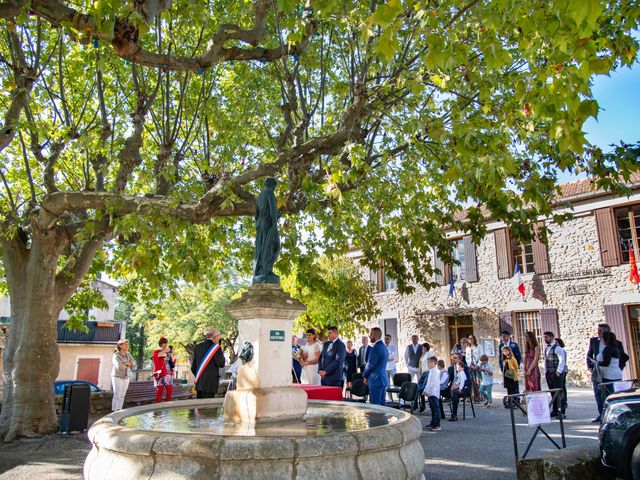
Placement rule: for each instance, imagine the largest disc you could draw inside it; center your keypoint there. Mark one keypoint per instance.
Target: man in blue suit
(375, 373)
(331, 365)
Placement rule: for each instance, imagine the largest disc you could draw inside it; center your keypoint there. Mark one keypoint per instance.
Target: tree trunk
(140, 355)
(29, 407)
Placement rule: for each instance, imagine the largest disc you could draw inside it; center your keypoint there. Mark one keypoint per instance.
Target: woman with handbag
(608, 363)
(510, 374)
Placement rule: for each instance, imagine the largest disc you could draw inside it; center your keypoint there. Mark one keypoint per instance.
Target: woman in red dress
(531, 359)
(163, 370)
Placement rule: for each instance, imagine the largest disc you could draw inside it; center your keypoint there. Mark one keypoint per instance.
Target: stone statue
(267, 238)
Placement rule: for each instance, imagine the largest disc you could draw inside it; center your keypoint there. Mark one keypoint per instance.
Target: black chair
(398, 380)
(356, 376)
(463, 398)
(359, 389)
(408, 394)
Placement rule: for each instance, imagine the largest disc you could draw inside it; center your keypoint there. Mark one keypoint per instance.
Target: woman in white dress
(310, 358)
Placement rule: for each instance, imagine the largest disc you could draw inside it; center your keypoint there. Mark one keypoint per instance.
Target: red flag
(633, 268)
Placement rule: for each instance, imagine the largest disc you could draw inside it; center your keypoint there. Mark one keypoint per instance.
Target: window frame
(634, 228)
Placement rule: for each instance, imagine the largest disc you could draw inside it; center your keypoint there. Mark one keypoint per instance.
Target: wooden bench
(145, 392)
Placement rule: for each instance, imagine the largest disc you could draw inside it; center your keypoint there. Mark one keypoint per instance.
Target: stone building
(579, 279)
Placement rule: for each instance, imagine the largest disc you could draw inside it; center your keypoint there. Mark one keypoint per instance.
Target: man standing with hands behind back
(207, 360)
(375, 373)
(331, 365)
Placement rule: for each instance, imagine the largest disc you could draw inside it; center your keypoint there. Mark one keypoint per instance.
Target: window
(528, 322)
(381, 281)
(389, 283)
(523, 254)
(628, 223)
(458, 271)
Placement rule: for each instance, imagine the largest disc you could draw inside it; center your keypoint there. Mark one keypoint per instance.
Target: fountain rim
(113, 419)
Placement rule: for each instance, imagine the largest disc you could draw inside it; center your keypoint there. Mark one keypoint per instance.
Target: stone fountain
(265, 428)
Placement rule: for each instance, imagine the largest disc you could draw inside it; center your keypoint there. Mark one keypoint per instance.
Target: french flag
(517, 279)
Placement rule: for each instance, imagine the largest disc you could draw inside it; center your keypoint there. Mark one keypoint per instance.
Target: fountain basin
(189, 439)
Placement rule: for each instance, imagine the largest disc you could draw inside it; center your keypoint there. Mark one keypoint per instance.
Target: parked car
(620, 434)
(58, 385)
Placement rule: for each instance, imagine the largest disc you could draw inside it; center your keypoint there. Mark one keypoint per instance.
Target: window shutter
(380, 280)
(615, 317)
(549, 321)
(540, 255)
(503, 253)
(470, 262)
(439, 264)
(608, 237)
(506, 322)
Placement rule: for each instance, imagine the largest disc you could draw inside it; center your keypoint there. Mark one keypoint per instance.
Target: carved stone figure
(267, 238)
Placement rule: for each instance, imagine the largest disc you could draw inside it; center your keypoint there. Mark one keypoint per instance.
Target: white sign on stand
(622, 385)
(538, 412)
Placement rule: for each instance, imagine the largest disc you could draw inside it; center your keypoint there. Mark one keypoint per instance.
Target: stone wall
(573, 247)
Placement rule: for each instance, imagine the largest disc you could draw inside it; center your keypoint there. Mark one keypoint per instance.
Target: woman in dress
(162, 370)
(310, 358)
(350, 363)
(531, 359)
(122, 363)
(464, 344)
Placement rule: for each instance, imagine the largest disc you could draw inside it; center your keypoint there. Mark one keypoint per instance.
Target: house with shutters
(579, 279)
(83, 355)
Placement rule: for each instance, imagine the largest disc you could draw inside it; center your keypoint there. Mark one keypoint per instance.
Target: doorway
(634, 342)
(460, 326)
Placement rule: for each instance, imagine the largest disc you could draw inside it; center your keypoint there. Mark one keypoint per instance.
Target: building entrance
(634, 341)
(460, 326)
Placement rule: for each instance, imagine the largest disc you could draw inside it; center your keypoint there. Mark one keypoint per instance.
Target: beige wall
(70, 353)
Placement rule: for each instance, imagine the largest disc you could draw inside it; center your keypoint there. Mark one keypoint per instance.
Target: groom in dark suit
(331, 365)
(375, 373)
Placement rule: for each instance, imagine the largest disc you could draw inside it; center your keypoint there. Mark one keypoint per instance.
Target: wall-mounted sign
(577, 290)
(276, 335)
(578, 274)
(489, 347)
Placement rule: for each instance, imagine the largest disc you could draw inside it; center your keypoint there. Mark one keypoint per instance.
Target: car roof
(630, 395)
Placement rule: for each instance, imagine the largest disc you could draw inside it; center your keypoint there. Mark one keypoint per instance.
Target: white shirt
(460, 378)
(562, 356)
(432, 389)
(472, 355)
(444, 379)
(393, 356)
(424, 360)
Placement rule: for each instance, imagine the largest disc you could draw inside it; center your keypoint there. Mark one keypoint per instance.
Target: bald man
(207, 360)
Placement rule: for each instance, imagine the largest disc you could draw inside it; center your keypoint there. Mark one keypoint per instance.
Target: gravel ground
(479, 448)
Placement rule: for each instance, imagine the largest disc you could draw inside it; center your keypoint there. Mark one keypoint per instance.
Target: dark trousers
(605, 390)
(201, 394)
(455, 399)
(434, 405)
(555, 381)
(376, 394)
(328, 382)
(444, 395)
(596, 393)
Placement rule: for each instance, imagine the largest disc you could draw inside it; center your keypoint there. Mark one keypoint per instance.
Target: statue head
(270, 183)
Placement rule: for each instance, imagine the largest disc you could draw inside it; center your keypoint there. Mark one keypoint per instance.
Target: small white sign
(538, 412)
(622, 385)
(489, 347)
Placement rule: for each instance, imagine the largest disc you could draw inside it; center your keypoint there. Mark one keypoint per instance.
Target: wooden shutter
(506, 322)
(88, 369)
(549, 321)
(391, 328)
(615, 317)
(439, 265)
(503, 253)
(608, 237)
(540, 254)
(380, 280)
(470, 262)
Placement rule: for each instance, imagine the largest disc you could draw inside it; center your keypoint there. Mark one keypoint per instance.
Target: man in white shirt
(393, 358)
(432, 392)
(555, 369)
(412, 356)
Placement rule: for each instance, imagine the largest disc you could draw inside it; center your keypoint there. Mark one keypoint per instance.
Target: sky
(619, 118)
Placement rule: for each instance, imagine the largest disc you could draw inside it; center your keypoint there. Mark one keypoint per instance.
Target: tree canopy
(135, 135)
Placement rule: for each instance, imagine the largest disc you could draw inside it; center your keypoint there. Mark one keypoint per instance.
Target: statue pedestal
(265, 315)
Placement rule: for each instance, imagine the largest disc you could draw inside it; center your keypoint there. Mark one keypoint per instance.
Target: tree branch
(125, 38)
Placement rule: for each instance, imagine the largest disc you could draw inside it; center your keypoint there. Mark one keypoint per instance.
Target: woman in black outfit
(350, 363)
(609, 364)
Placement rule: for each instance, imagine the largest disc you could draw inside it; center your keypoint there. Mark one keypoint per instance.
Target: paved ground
(482, 448)
(478, 449)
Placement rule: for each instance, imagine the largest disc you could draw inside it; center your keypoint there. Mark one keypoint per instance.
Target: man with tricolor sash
(207, 360)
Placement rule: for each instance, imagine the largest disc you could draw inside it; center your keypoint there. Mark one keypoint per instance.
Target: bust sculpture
(267, 239)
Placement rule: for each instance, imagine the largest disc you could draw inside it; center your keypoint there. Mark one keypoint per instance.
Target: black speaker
(75, 408)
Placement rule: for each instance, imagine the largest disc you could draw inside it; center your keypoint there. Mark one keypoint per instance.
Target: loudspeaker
(75, 408)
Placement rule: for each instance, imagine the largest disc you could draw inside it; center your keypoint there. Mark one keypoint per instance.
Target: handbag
(596, 373)
(510, 374)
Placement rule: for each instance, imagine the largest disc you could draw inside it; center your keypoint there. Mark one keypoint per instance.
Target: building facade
(579, 279)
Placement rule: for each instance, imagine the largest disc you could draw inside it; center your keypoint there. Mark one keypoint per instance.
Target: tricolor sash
(205, 361)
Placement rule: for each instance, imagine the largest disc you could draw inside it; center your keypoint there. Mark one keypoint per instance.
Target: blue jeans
(376, 394)
(434, 405)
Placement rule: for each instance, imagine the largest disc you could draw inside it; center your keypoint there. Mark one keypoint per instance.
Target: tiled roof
(582, 187)
(98, 332)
